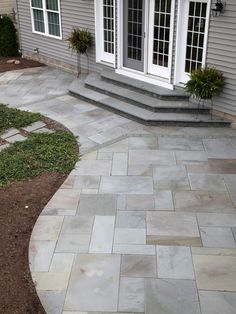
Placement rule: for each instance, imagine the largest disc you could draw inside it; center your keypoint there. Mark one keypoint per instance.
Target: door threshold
(144, 77)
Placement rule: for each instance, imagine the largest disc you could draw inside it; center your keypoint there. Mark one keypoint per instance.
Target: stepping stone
(16, 138)
(34, 126)
(9, 133)
(169, 228)
(43, 130)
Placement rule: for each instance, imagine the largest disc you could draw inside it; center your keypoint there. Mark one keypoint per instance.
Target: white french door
(192, 37)
(161, 17)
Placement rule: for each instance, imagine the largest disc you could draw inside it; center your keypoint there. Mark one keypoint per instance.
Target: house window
(108, 25)
(46, 17)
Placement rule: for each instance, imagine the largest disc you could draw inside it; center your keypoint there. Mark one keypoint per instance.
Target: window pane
(37, 3)
(52, 5)
(53, 24)
(38, 21)
(108, 26)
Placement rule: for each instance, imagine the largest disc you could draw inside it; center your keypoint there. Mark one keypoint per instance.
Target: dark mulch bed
(17, 290)
(24, 63)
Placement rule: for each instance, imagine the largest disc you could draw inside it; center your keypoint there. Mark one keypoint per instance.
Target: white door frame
(182, 20)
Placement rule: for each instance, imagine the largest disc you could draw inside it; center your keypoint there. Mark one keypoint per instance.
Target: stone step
(143, 87)
(142, 100)
(145, 116)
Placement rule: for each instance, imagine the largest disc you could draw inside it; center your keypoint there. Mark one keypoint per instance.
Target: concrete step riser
(152, 123)
(146, 106)
(169, 97)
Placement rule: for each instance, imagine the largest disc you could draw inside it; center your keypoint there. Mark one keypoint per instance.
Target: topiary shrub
(80, 40)
(8, 38)
(205, 83)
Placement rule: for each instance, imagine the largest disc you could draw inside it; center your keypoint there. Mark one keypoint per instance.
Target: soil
(24, 63)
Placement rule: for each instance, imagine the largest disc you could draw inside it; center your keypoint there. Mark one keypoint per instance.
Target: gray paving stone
(216, 220)
(171, 177)
(171, 296)
(59, 212)
(40, 255)
(94, 277)
(52, 301)
(217, 237)
(130, 236)
(140, 202)
(87, 182)
(215, 302)
(100, 204)
(207, 182)
(234, 232)
(143, 143)
(119, 164)
(203, 201)
(154, 157)
(131, 297)
(170, 228)
(47, 228)
(16, 138)
(219, 148)
(64, 199)
(230, 180)
(118, 147)
(105, 156)
(62, 262)
(140, 170)
(102, 235)
(174, 262)
(34, 126)
(78, 225)
(43, 130)
(138, 266)
(164, 200)
(131, 219)
(8, 133)
(170, 143)
(126, 185)
(93, 167)
(73, 243)
(139, 249)
(121, 202)
(189, 157)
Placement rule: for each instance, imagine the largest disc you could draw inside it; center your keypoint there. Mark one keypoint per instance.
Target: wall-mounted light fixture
(217, 8)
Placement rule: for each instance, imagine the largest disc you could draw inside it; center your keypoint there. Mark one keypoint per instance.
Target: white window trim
(101, 56)
(45, 16)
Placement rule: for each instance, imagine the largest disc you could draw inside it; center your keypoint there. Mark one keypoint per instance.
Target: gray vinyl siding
(74, 13)
(6, 6)
(221, 53)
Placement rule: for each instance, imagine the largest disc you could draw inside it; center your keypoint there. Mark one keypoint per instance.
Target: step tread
(142, 113)
(146, 100)
(150, 88)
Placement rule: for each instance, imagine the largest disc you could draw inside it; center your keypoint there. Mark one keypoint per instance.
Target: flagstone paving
(145, 223)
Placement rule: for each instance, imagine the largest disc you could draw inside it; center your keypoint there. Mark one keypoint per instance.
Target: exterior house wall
(221, 53)
(6, 6)
(74, 13)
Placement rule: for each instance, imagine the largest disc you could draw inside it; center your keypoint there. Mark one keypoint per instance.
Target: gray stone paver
(89, 250)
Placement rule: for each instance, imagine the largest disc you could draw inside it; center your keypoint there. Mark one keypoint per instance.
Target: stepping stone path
(18, 135)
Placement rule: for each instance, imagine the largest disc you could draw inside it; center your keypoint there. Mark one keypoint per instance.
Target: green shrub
(80, 40)
(205, 83)
(8, 38)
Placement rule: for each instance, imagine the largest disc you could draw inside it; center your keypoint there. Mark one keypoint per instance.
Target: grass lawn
(38, 154)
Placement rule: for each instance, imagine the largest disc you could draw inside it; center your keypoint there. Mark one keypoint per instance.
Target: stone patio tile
(43, 130)
(89, 191)
(94, 277)
(207, 182)
(8, 133)
(139, 249)
(164, 200)
(234, 232)
(213, 251)
(102, 235)
(143, 143)
(219, 148)
(171, 177)
(100, 204)
(216, 220)
(89, 156)
(119, 164)
(131, 219)
(129, 236)
(3, 146)
(174, 262)
(62, 262)
(190, 157)
(140, 202)
(121, 202)
(73, 243)
(203, 201)
(93, 167)
(58, 212)
(215, 302)
(171, 296)
(34, 126)
(215, 272)
(47, 228)
(40, 255)
(78, 225)
(131, 298)
(139, 170)
(118, 147)
(230, 180)
(16, 138)
(64, 199)
(217, 237)
(52, 301)
(220, 166)
(169, 228)
(155, 157)
(170, 143)
(51, 281)
(105, 156)
(69, 182)
(138, 266)
(126, 185)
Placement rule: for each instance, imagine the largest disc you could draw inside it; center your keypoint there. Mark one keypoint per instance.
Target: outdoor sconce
(218, 8)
